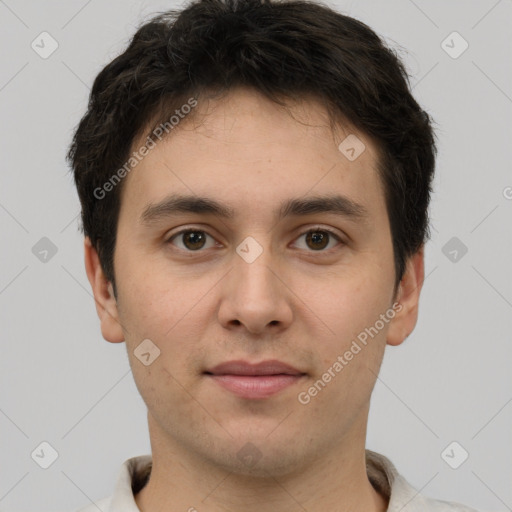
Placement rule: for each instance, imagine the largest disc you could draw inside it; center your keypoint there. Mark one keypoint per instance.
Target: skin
(294, 303)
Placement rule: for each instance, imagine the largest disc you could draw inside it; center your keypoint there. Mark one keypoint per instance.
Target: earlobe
(408, 298)
(106, 304)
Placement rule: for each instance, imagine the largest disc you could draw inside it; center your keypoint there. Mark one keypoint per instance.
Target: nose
(255, 296)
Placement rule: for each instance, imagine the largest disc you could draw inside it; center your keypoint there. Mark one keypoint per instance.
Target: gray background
(63, 384)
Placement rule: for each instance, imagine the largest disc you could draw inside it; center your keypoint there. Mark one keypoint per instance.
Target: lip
(254, 380)
(240, 367)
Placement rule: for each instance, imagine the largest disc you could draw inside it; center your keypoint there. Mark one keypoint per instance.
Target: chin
(260, 458)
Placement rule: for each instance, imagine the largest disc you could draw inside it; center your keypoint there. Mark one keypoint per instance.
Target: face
(264, 273)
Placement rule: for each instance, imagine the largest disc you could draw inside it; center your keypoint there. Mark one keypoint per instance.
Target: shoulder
(407, 499)
(133, 473)
(402, 496)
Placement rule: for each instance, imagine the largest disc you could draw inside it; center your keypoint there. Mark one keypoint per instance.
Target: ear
(106, 304)
(408, 296)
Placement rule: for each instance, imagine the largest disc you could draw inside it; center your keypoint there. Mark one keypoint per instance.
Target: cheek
(351, 357)
(167, 309)
(351, 302)
(153, 298)
(351, 308)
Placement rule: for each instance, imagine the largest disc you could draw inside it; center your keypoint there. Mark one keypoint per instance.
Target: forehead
(244, 147)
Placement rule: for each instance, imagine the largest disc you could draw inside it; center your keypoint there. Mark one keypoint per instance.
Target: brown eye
(191, 239)
(318, 239)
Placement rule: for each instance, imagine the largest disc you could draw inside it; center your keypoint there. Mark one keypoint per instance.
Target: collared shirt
(381, 473)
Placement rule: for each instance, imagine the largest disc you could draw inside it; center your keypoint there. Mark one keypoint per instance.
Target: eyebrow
(178, 204)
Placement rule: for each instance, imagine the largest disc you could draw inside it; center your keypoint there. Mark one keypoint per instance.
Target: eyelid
(189, 229)
(330, 231)
(313, 229)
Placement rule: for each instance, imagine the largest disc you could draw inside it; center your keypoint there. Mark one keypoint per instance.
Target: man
(255, 179)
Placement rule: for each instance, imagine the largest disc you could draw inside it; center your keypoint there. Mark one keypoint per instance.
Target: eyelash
(312, 230)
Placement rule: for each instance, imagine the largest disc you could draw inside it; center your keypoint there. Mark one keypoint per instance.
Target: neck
(182, 481)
